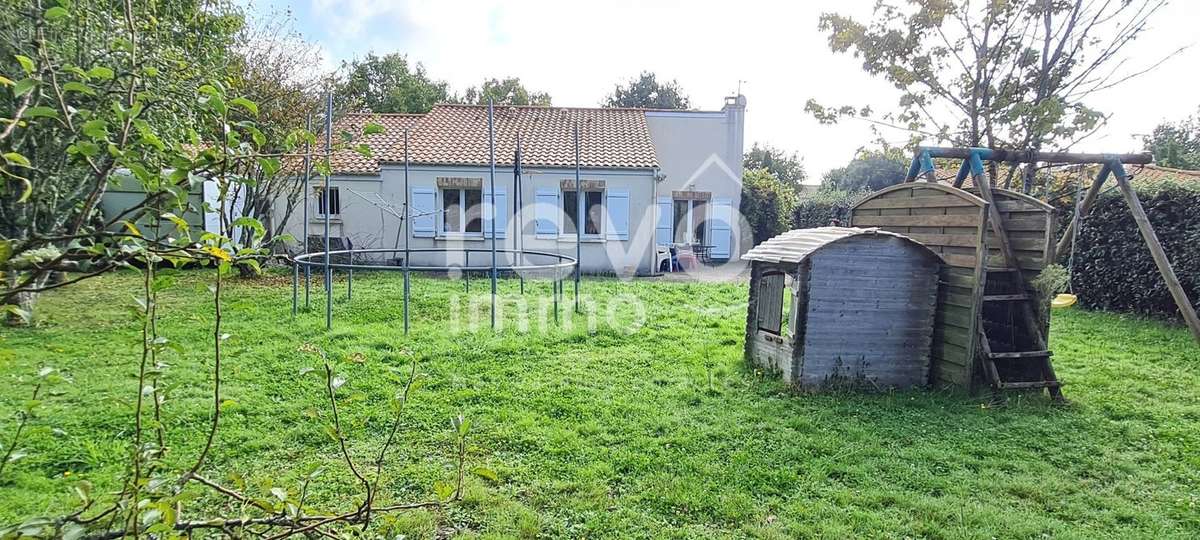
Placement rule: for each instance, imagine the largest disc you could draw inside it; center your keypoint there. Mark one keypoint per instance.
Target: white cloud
(576, 51)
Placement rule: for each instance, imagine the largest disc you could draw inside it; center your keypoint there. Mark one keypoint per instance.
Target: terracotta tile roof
(350, 161)
(347, 161)
(1140, 173)
(458, 135)
(1067, 177)
(1155, 173)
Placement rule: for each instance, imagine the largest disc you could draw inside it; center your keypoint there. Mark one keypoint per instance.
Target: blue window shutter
(501, 215)
(546, 212)
(424, 203)
(721, 228)
(663, 230)
(618, 214)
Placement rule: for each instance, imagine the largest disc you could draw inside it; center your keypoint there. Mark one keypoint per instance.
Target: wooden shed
(838, 306)
(991, 325)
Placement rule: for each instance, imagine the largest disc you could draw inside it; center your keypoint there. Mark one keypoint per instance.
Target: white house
(649, 177)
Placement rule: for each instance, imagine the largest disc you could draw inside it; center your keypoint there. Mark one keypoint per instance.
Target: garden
(159, 382)
(644, 423)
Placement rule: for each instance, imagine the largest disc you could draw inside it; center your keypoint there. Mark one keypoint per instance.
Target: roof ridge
(372, 113)
(1187, 172)
(538, 107)
(576, 108)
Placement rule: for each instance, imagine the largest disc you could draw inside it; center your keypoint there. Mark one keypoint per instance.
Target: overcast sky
(577, 51)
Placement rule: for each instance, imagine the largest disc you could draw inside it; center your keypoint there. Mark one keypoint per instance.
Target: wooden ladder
(1023, 299)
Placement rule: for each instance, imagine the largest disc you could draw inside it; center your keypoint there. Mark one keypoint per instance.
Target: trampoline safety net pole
(404, 228)
(325, 208)
(518, 242)
(295, 281)
(579, 224)
(304, 227)
(492, 196)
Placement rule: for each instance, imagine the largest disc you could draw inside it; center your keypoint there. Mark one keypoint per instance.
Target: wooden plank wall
(1031, 228)
(871, 305)
(771, 352)
(950, 222)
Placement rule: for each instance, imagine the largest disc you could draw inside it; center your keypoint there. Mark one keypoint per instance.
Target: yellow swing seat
(1063, 301)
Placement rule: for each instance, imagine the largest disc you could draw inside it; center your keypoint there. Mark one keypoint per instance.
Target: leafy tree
(389, 84)
(100, 95)
(767, 203)
(870, 170)
(788, 168)
(1176, 144)
(999, 74)
(273, 67)
(509, 91)
(118, 116)
(644, 91)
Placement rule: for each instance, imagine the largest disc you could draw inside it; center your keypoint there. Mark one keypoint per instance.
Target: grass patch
(614, 431)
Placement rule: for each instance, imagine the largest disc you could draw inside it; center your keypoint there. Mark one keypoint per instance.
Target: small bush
(1113, 269)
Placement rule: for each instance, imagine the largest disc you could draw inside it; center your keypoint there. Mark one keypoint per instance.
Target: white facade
(692, 197)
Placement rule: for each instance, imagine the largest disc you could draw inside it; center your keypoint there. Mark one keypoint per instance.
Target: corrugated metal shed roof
(796, 245)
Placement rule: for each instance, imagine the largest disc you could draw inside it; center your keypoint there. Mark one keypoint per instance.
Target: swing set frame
(1111, 165)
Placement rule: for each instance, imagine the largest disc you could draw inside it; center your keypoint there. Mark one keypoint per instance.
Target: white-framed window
(593, 211)
(690, 216)
(334, 201)
(462, 211)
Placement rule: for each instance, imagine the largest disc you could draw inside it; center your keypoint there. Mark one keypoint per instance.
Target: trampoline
(557, 265)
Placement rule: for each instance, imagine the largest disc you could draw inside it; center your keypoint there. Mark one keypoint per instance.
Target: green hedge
(1113, 269)
(818, 209)
(766, 204)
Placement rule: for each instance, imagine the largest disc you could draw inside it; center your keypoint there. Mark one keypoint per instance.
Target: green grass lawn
(615, 431)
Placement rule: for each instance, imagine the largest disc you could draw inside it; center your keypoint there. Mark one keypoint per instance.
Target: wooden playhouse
(837, 306)
(989, 324)
(992, 324)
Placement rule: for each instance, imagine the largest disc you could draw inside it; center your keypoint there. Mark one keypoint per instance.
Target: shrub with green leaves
(824, 206)
(766, 203)
(1113, 269)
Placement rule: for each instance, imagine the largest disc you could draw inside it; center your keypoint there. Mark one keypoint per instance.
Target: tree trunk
(23, 300)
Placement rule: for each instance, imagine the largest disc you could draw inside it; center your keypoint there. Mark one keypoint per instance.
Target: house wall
(364, 223)
(127, 192)
(370, 226)
(698, 151)
(702, 151)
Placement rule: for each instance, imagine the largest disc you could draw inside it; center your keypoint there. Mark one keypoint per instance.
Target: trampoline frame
(322, 259)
